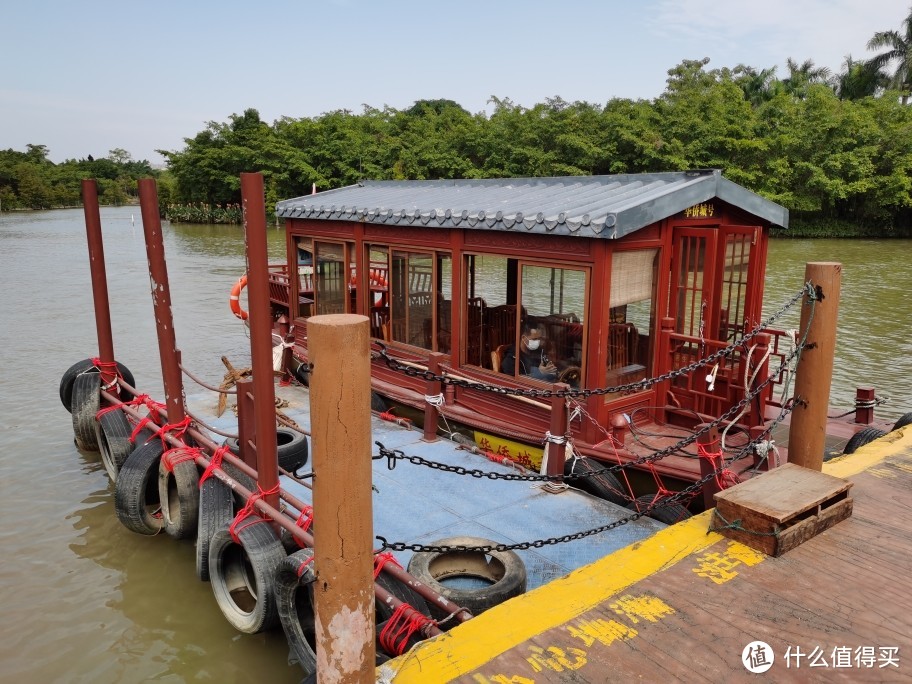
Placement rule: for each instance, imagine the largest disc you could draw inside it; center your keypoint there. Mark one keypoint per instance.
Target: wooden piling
(339, 349)
(815, 369)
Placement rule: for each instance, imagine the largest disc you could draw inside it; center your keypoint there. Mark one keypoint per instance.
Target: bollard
(339, 349)
(807, 436)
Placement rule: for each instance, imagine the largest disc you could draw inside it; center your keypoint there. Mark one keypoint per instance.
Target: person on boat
(533, 357)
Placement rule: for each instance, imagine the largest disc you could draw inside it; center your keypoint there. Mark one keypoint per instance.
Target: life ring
(234, 301)
(376, 279)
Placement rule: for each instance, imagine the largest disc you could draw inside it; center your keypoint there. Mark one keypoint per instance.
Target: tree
(802, 76)
(758, 86)
(899, 50)
(860, 79)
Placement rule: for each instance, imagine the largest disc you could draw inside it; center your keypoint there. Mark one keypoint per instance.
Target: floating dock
(684, 604)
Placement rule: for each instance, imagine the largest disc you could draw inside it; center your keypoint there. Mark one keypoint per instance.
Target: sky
(85, 78)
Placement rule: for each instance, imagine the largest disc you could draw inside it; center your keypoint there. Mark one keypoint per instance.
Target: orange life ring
(376, 280)
(234, 301)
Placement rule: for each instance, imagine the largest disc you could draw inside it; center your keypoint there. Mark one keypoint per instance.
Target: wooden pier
(684, 604)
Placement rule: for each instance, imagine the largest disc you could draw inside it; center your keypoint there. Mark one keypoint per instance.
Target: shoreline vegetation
(834, 149)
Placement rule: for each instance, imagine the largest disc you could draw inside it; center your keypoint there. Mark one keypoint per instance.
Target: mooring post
(864, 404)
(99, 275)
(260, 320)
(558, 430)
(434, 389)
(815, 368)
(161, 301)
(339, 348)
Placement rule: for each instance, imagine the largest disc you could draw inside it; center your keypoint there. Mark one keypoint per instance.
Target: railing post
(267, 465)
(815, 369)
(663, 365)
(434, 389)
(99, 275)
(707, 441)
(161, 301)
(758, 405)
(339, 350)
(558, 429)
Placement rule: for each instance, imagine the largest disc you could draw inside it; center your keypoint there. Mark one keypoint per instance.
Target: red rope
(303, 566)
(404, 622)
(178, 455)
(249, 511)
(725, 478)
(382, 559)
(178, 429)
(109, 369)
(304, 521)
(214, 463)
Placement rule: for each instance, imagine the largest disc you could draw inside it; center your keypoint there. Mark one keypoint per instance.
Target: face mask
(533, 344)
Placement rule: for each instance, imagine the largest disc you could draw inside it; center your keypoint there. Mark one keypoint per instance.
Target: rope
(725, 478)
(303, 566)
(108, 368)
(404, 622)
(304, 521)
(435, 400)
(249, 511)
(763, 449)
(204, 385)
(178, 429)
(736, 525)
(214, 463)
(554, 439)
(381, 559)
(179, 455)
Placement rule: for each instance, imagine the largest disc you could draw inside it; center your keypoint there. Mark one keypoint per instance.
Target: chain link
(426, 374)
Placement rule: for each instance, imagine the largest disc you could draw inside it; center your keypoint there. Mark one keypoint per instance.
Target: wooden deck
(683, 604)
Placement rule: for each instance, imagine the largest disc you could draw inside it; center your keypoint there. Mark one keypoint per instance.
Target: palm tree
(803, 75)
(899, 50)
(859, 79)
(758, 86)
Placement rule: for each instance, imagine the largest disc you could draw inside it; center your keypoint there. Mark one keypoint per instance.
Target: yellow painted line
(473, 643)
(892, 444)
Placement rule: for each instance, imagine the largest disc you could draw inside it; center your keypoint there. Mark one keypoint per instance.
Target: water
(83, 599)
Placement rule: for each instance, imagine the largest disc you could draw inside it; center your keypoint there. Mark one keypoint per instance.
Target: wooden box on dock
(781, 509)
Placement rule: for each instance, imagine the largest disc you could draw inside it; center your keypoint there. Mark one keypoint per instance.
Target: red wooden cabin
(627, 277)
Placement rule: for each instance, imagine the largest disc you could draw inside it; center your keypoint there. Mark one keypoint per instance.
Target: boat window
(378, 292)
(331, 278)
(734, 285)
(490, 308)
(304, 250)
(631, 315)
(553, 313)
(410, 296)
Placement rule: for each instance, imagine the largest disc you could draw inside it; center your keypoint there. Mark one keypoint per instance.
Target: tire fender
(86, 400)
(112, 431)
(294, 601)
(136, 501)
(178, 492)
(216, 509)
(503, 569)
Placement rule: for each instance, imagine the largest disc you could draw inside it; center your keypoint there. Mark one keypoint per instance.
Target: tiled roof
(588, 206)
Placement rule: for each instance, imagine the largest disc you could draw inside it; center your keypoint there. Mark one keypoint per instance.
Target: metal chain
(427, 374)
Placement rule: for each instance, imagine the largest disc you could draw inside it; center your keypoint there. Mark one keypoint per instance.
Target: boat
(644, 290)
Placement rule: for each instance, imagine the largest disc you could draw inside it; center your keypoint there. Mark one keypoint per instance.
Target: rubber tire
(294, 600)
(862, 437)
(667, 513)
(136, 490)
(178, 492)
(243, 577)
(406, 594)
(902, 421)
(86, 366)
(505, 568)
(216, 510)
(86, 401)
(302, 374)
(112, 431)
(604, 485)
(291, 446)
(378, 403)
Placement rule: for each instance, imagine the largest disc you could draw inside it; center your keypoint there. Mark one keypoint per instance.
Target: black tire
(668, 513)
(85, 403)
(404, 593)
(291, 446)
(178, 492)
(216, 510)
(136, 501)
(112, 431)
(243, 577)
(294, 600)
(862, 437)
(902, 421)
(503, 569)
(378, 403)
(86, 366)
(604, 485)
(302, 374)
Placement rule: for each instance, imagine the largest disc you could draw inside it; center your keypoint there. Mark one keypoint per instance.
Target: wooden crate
(780, 509)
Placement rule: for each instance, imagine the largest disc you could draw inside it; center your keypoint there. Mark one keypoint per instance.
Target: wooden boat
(626, 279)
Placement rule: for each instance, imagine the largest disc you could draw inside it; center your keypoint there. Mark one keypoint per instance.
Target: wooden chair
(497, 357)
